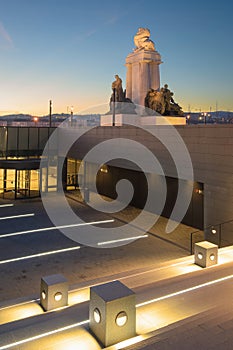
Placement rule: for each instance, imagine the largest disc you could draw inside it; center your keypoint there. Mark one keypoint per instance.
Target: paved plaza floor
(22, 278)
(156, 268)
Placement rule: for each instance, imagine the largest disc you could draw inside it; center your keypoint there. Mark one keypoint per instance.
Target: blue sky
(70, 50)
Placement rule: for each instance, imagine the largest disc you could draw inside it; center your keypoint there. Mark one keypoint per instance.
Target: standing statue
(142, 41)
(117, 85)
(167, 98)
(162, 102)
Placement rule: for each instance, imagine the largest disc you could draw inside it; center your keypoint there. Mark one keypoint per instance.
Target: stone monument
(142, 68)
(143, 102)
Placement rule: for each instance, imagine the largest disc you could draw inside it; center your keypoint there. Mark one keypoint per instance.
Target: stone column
(129, 80)
(142, 74)
(154, 74)
(135, 83)
(144, 80)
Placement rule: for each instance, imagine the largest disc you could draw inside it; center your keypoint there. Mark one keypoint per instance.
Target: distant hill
(27, 119)
(16, 117)
(57, 116)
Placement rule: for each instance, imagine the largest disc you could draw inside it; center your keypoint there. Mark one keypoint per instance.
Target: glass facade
(21, 149)
(23, 141)
(19, 144)
(73, 180)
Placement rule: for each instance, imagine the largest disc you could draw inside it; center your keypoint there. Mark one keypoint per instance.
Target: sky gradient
(70, 50)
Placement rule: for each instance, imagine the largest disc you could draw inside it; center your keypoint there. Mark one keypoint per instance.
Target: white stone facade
(142, 74)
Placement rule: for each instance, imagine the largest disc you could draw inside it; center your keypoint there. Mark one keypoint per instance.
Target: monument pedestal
(162, 120)
(120, 119)
(137, 120)
(142, 74)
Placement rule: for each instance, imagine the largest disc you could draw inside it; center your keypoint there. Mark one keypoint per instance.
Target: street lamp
(205, 114)
(113, 108)
(188, 118)
(50, 113)
(71, 115)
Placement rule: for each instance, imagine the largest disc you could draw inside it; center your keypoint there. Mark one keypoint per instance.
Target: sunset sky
(70, 50)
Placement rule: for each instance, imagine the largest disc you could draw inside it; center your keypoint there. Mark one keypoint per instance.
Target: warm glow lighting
(212, 257)
(39, 255)
(214, 231)
(125, 343)
(16, 216)
(58, 296)
(200, 256)
(39, 336)
(55, 228)
(199, 286)
(19, 304)
(122, 240)
(104, 169)
(43, 295)
(97, 315)
(6, 205)
(121, 319)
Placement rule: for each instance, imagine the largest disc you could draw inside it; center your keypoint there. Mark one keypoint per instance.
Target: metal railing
(215, 230)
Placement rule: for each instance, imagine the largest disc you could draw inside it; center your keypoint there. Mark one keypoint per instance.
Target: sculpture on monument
(118, 97)
(162, 102)
(154, 101)
(117, 85)
(142, 67)
(142, 41)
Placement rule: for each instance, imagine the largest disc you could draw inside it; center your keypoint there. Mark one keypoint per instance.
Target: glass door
(23, 183)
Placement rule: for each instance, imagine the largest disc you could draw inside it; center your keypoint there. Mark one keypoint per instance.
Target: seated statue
(121, 102)
(117, 85)
(155, 101)
(142, 41)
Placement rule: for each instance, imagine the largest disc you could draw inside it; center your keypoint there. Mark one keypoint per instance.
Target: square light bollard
(112, 312)
(205, 254)
(53, 292)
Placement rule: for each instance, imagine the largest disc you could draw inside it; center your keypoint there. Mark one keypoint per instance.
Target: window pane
(33, 139)
(3, 141)
(23, 140)
(12, 139)
(43, 138)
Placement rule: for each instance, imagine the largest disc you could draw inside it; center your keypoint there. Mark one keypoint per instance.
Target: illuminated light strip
(39, 254)
(133, 275)
(54, 228)
(6, 205)
(129, 342)
(157, 269)
(185, 290)
(16, 216)
(96, 284)
(19, 304)
(122, 240)
(222, 251)
(59, 330)
(39, 336)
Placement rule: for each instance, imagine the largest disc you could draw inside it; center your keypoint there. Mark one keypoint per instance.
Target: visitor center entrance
(19, 183)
